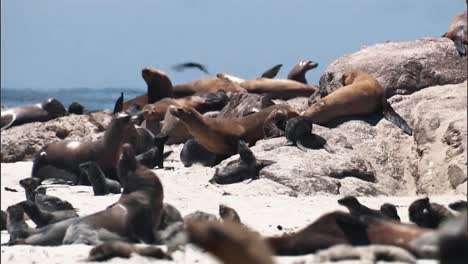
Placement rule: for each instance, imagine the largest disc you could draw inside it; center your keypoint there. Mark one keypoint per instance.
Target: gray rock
(402, 67)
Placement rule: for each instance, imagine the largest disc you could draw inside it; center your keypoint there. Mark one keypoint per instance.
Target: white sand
(261, 204)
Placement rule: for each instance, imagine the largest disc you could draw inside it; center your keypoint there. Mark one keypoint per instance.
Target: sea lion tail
(395, 118)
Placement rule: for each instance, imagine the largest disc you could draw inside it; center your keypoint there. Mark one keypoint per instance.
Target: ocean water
(90, 98)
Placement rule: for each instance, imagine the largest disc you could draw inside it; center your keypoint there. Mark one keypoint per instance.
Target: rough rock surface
(21, 142)
(402, 67)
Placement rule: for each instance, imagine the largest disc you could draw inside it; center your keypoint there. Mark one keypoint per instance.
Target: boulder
(22, 142)
(402, 67)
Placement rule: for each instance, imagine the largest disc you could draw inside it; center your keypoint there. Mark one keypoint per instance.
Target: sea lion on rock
(231, 242)
(228, 214)
(133, 218)
(246, 167)
(76, 108)
(458, 33)
(426, 214)
(101, 185)
(272, 72)
(111, 249)
(159, 87)
(207, 85)
(361, 95)
(278, 88)
(61, 159)
(299, 71)
(221, 135)
(298, 132)
(42, 218)
(41, 112)
(357, 209)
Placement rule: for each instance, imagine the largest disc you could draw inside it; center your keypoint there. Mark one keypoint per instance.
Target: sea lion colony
(122, 161)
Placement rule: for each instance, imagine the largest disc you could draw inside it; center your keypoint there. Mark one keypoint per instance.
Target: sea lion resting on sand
(361, 95)
(135, 217)
(220, 135)
(457, 32)
(357, 209)
(41, 112)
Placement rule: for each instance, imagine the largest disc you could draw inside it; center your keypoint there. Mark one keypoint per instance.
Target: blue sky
(105, 43)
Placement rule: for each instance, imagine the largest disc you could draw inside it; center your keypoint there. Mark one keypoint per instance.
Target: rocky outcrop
(21, 142)
(402, 67)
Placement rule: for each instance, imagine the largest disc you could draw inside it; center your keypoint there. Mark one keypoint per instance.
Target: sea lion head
(151, 75)
(349, 201)
(30, 185)
(75, 108)
(308, 65)
(390, 211)
(419, 210)
(297, 128)
(228, 214)
(54, 107)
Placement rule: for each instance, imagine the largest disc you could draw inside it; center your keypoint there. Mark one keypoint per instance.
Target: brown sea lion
(159, 87)
(207, 85)
(111, 249)
(299, 71)
(134, 218)
(41, 112)
(221, 135)
(101, 185)
(61, 159)
(228, 214)
(278, 88)
(361, 95)
(229, 241)
(458, 33)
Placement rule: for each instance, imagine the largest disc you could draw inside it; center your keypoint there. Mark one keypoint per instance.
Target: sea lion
(357, 209)
(221, 135)
(15, 224)
(111, 249)
(246, 167)
(390, 210)
(76, 108)
(193, 152)
(361, 95)
(61, 159)
(426, 214)
(228, 214)
(231, 242)
(298, 132)
(133, 218)
(118, 106)
(182, 66)
(101, 185)
(279, 88)
(42, 218)
(3, 220)
(159, 87)
(328, 230)
(30, 185)
(458, 33)
(299, 71)
(141, 138)
(272, 72)
(50, 203)
(459, 206)
(207, 85)
(41, 112)
(154, 156)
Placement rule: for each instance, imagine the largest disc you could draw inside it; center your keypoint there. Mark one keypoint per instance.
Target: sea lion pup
(76, 108)
(361, 95)
(193, 152)
(328, 230)
(111, 249)
(61, 159)
(298, 132)
(357, 209)
(246, 167)
(221, 135)
(272, 72)
(41, 112)
(459, 206)
(42, 218)
(156, 155)
(427, 214)
(182, 66)
(30, 185)
(278, 88)
(458, 33)
(101, 185)
(132, 218)
(228, 214)
(299, 71)
(159, 87)
(118, 106)
(230, 242)
(202, 103)
(3, 220)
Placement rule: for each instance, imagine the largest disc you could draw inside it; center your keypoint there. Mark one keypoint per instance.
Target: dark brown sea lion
(357, 209)
(228, 214)
(182, 66)
(426, 214)
(61, 159)
(299, 71)
(298, 132)
(221, 135)
(231, 242)
(154, 156)
(111, 249)
(101, 184)
(133, 218)
(76, 108)
(361, 95)
(272, 72)
(193, 152)
(159, 87)
(458, 33)
(246, 167)
(278, 88)
(41, 112)
(42, 218)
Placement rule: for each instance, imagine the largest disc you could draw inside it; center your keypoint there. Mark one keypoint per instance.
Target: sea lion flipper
(444, 35)
(460, 46)
(118, 107)
(272, 72)
(395, 118)
(300, 145)
(7, 120)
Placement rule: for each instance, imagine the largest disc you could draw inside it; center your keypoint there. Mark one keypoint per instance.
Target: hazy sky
(105, 43)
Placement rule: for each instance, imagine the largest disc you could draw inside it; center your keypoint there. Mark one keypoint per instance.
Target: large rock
(21, 142)
(374, 157)
(402, 67)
